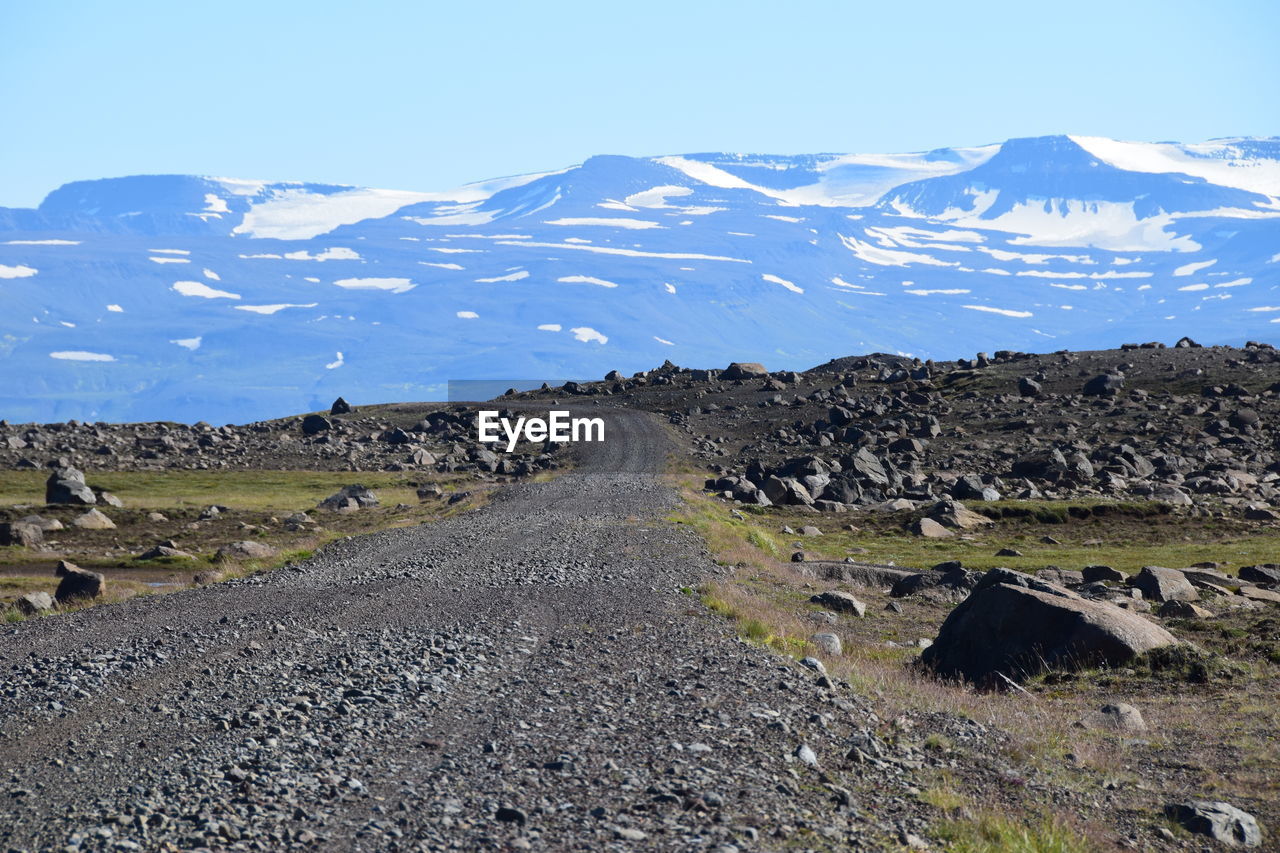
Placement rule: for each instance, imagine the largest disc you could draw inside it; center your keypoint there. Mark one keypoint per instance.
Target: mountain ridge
(190, 298)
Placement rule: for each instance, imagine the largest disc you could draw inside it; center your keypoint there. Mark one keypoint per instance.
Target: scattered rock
(1014, 624)
(957, 515)
(66, 485)
(841, 602)
(1265, 573)
(930, 529)
(1254, 593)
(1160, 584)
(1120, 717)
(349, 499)
(94, 519)
(1094, 574)
(1183, 610)
(1220, 821)
(77, 583)
(34, 603)
(744, 370)
(20, 533)
(828, 642)
(246, 550)
(315, 424)
(166, 548)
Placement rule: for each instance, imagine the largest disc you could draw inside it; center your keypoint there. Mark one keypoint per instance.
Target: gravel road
(526, 676)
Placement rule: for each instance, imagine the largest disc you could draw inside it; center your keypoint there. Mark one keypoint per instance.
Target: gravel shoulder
(526, 676)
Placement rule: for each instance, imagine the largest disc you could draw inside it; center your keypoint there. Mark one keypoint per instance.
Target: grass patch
(991, 833)
(276, 491)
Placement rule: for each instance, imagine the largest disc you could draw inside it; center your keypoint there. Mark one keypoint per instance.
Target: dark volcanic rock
(315, 424)
(1014, 624)
(340, 407)
(1103, 385)
(77, 583)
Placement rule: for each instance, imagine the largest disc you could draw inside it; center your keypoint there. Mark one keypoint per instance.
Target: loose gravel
(526, 676)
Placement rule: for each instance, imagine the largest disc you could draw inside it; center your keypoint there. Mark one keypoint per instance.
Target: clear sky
(428, 95)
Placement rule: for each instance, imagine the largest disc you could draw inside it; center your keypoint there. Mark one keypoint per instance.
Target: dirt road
(527, 676)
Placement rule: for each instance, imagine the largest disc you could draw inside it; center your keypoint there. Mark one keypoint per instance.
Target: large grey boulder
(20, 533)
(1160, 584)
(1015, 624)
(1222, 822)
(67, 486)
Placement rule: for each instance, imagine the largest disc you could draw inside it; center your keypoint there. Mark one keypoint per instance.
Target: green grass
(992, 833)
(246, 489)
(1129, 541)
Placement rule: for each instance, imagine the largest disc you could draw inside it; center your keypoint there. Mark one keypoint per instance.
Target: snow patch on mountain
(202, 290)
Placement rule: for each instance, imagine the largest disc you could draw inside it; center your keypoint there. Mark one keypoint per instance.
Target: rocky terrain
(382, 438)
(1146, 421)
(1016, 602)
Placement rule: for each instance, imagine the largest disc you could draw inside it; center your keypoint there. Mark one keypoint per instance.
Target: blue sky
(430, 95)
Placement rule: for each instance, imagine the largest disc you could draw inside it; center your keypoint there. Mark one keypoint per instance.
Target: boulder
(930, 529)
(1220, 821)
(1118, 717)
(957, 515)
(1161, 584)
(430, 492)
(1103, 385)
(1028, 387)
(340, 407)
(93, 520)
(246, 550)
(77, 583)
(1265, 573)
(349, 499)
(1094, 574)
(66, 485)
(950, 580)
(1254, 593)
(1016, 625)
(20, 533)
(744, 370)
(46, 525)
(34, 603)
(828, 642)
(315, 424)
(841, 602)
(1182, 610)
(166, 548)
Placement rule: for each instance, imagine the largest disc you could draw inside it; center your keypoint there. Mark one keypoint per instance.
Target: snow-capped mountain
(227, 300)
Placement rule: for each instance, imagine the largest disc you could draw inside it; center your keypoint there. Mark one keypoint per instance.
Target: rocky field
(1025, 602)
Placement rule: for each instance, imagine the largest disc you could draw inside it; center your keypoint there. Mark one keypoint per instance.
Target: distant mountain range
(187, 298)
